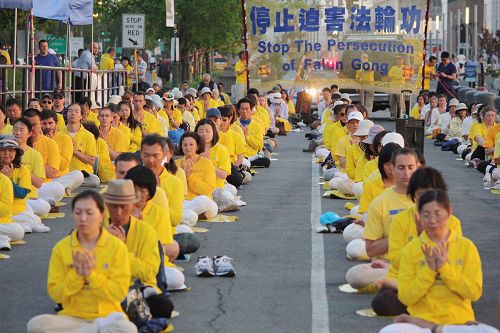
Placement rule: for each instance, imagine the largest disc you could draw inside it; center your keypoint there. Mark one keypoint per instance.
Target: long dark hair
(215, 137)
(131, 121)
(171, 166)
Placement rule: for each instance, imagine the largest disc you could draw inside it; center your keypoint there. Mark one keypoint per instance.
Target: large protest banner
(374, 45)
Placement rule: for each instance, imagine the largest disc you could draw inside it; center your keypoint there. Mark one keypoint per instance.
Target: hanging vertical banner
(170, 14)
(369, 45)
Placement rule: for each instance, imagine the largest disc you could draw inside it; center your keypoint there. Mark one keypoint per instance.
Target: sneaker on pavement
(223, 267)
(39, 227)
(204, 267)
(496, 187)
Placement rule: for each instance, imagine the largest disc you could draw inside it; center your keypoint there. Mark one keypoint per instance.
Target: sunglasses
(46, 102)
(58, 97)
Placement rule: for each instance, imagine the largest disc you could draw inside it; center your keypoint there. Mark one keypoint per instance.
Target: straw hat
(120, 192)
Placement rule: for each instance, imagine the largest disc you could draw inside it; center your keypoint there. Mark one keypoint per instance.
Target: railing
(24, 82)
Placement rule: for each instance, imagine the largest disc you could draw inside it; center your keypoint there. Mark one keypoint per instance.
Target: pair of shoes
(218, 266)
(4, 244)
(26, 227)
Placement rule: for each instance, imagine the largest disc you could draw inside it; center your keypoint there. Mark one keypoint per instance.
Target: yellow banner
(369, 45)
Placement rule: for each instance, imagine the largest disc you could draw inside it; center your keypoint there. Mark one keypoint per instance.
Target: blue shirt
(445, 85)
(86, 61)
(45, 74)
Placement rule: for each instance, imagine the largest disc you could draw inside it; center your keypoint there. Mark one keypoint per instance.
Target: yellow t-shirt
(107, 63)
(93, 118)
(34, 162)
(150, 124)
(175, 191)
(429, 72)
(101, 293)
(354, 152)
(477, 129)
(116, 140)
(254, 139)
(85, 143)
(370, 170)
(159, 219)
(446, 297)
(49, 150)
(61, 125)
(201, 181)
(343, 145)
(126, 135)
(496, 153)
(338, 132)
(328, 136)
(365, 76)
(7, 129)
(238, 67)
(403, 230)
(360, 166)
(264, 116)
(415, 112)
(105, 168)
(371, 189)
(65, 145)
(200, 105)
(6, 199)
(382, 210)
(21, 177)
(220, 158)
(491, 136)
(291, 107)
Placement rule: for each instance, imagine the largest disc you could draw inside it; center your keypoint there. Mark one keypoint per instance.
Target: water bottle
(487, 181)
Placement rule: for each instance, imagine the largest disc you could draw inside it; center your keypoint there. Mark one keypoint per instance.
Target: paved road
(272, 247)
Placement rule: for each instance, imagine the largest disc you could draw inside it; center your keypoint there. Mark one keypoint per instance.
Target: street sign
(133, 31)
(58, 44)
(174, 49)
(170, 14)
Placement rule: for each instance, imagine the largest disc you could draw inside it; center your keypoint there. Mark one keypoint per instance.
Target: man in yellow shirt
(149, 123)
(69, 179)
(154, 150)
(14, 110)
(141, 241)
(397, 79)
(113, 136)
(241, 71)
(84, 147)
(429, 72)
(253, 134)
(108, 60)
(380, 212)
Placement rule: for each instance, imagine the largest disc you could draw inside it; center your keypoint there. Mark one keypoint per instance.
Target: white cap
(394, 138)
(356, 115)
(150, 89)
(453, 101)
(339, 102)
(275, 98)
(461, 106)
(205, 90)
(115, 99)
(364, 128)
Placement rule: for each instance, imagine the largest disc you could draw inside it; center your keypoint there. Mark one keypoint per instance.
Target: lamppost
(466, 21)
(437, 36)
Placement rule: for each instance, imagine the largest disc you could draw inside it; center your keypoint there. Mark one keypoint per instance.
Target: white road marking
(320, 322)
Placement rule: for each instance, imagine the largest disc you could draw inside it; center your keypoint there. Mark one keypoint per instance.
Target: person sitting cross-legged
(89, 275)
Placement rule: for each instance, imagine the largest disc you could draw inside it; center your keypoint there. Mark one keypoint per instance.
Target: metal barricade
(24, 82)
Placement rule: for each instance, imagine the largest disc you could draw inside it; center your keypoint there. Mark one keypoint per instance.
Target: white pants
(231, 189)
(48, 323)
(39, 206)
(357, 189)
(322, 152)
(189, 217)
(27, 217)
(182, 228)
(175, 278)
(361, 276)
(51, 192)
(335, 181)
(346, 187)
(356, 249)
(91, 181)
(354, 210)
(11, 231)
(353, 231)
(201, 205)
(410, 328)
(71, 181)
(246, 163)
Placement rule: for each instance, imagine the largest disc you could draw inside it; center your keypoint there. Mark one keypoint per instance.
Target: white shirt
(435, 115)
(283, 110)
(445, 122)
(321, 108)
(467, 124)
(424, 110)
